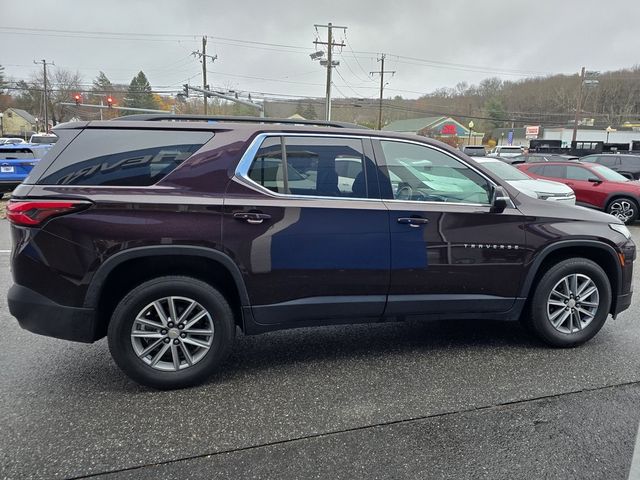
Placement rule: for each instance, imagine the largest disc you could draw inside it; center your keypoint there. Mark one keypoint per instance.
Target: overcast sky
(446, 41)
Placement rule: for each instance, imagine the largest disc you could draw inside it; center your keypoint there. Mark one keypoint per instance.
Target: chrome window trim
(241, 173)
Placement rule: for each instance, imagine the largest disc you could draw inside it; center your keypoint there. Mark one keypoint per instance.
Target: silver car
(543, 189)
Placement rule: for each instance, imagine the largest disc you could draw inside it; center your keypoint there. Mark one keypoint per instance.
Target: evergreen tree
(102, 85)
(139, 94)
(309, 112)
(495, 111)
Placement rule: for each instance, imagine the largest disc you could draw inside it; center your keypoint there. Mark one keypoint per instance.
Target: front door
(449, 253)
(312, 240)
(587, 192)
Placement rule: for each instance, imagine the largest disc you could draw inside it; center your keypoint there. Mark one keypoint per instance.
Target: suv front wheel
(171, 332)
(570, 304)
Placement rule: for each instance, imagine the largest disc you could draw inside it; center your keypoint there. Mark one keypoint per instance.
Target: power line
(167, 37)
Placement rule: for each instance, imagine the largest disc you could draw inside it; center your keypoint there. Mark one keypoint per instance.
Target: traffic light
(109, 101)
(186, 90)
(78, 98)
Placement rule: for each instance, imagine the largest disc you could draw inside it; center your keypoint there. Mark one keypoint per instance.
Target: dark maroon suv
(169, 234)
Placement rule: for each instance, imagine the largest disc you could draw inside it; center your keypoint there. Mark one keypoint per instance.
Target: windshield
(506, 171)
(609, 174)
(510, 150)
(44, 139)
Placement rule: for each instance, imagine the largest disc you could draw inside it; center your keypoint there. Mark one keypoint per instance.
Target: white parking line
(634, 472)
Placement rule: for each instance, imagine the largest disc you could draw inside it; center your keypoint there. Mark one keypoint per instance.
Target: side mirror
(499, 200)
(595, 180)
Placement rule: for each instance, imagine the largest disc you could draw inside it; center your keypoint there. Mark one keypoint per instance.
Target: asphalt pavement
(399, 400)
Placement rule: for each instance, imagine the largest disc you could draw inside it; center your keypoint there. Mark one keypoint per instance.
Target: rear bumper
(40, 315)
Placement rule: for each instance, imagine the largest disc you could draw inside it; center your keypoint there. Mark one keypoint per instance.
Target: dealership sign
(449, 129)
(532, 132)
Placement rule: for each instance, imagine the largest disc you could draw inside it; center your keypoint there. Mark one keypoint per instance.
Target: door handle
(252, 217)
(414, 222)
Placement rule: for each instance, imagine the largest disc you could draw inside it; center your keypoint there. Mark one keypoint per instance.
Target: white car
(43, 138)
(507, 151)
(536, 188)
(11, 141)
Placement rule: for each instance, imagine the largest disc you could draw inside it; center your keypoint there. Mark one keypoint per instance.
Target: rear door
(449, 252)
(305, 222)
(630, 166)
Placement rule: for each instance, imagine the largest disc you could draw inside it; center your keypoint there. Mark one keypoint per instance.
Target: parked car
(506, 151)
(536, 188)
(168, 236)
(625, 164)
(11, 140)
(595, 185)
(540, 157)
(16, 161)
(43, 138)
(474, 150)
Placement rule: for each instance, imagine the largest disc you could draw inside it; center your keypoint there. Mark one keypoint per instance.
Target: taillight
(35, 212)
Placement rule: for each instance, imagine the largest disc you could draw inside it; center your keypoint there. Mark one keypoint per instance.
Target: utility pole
(203, 58)
(46, 94)
(382, 71)
(578, 106)
(329, 63)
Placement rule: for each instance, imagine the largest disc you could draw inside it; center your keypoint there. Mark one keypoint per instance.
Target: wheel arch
(129, 268)
(601, 253)
(613, 196)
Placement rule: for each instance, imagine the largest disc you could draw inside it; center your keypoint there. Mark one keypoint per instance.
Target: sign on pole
(532, 132)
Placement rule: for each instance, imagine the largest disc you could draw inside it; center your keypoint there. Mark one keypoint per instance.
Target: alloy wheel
(172, 333)
(623, 209)
(573, 303)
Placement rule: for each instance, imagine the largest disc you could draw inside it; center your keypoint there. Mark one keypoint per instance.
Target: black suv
(627, 165)
(166, 234)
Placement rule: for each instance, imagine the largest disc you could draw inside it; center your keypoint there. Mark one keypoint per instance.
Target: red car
(596, 186)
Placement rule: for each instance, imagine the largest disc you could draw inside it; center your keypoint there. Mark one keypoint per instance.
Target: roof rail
(158, 117)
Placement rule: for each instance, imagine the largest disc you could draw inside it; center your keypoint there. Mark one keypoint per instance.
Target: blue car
(16, 161)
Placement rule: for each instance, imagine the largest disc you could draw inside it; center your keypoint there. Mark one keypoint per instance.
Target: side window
(267, 169)
(325, 167)
(578, 173)
(421, 173)
(314, 166)
(122, 157)
(608, 160)
(555, 171)
(630, 162)
(536, 169)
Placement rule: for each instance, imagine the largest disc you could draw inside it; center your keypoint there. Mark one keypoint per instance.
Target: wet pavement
(400, 400)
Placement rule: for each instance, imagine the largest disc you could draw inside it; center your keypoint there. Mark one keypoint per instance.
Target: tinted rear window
(122, 157)
(16, 153)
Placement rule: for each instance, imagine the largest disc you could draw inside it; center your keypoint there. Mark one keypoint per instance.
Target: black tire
(122, 322)
(624, 208)
(537, 318)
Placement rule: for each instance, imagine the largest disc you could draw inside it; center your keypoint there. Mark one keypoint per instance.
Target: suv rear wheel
(171, 332)
(570, 304)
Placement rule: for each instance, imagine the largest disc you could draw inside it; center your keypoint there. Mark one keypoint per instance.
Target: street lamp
(471, 125)
(1, 125)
